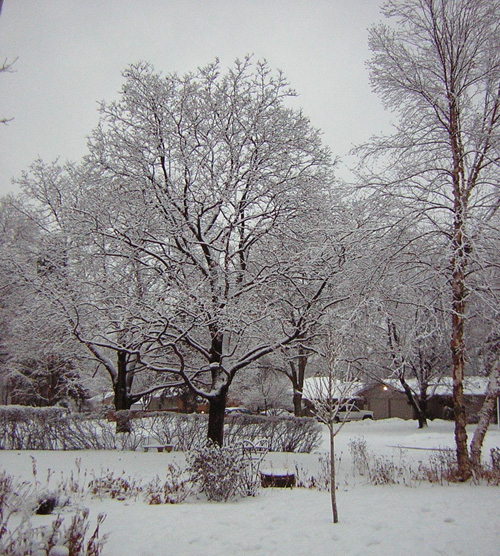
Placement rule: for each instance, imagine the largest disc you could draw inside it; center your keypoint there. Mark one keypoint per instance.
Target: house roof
(316, 388)
(319, 387)
(473, 386)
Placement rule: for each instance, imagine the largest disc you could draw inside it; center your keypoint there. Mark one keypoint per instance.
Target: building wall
(387, 403)
(391, 403)
(441, 407)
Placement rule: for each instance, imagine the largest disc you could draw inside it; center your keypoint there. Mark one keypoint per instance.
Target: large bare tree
(82, 284)
(437, 66)
(202, 180)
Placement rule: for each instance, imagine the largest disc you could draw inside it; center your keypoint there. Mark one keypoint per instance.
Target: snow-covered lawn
(421, 519)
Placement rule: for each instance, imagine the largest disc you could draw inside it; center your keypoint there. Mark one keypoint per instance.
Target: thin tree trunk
(300, 378)
(458, 359)
(333, 491)
(422, 421)
(420, 407)
(485, 416)
(297, 377)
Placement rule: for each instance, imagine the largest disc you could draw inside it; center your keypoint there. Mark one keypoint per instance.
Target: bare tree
(438, 67)
(410, 308)
(262, 389)
(85, 286)
(425, 366)
(194, 183)
(331, 271)
(331, 393)
(39, 363)
(14, 231)
(341, 267)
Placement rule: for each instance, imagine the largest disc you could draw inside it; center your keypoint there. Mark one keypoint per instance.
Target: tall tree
(333, 271)
(95, 291)
(14, 231)
(38, 364)
(410, 306)
(198, 181)
(438, 68)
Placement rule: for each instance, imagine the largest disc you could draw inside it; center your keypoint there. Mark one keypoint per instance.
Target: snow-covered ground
(421, 519)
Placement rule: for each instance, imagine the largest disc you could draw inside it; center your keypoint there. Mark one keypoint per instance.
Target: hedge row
(31, 428)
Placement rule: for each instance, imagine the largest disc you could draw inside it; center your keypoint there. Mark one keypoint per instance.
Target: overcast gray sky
(71, 54)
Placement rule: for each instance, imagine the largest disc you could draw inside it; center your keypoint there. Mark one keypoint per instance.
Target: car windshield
(349, 407)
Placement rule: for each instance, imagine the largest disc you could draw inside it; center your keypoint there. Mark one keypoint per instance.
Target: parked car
(352, 413)
(238, 411)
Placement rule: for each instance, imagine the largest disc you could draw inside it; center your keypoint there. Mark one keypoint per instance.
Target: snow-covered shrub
(384, 471)
(75, 536)
(442, 468)
(118, 487)
(182, 431)
(175, 489)
(486, 475)
(27, 428)
(282, 434)
(33, 428)
(90, 433)
(46, 497)
(323, 479)
(380, 470)
(250, 476)
(218, 472)
(359, 455)
(52, 428)
(320, 480)
(86, 432)
(6, 490)
(56, 539)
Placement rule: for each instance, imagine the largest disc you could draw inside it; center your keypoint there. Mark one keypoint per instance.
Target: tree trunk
(122, 399)
(217, 409)
(459, 263)
(458, 351)
(217, 403)
(297, 376)
(485, 416)
(333, 491)
(422, 421)
(422, 408)
(297, 403)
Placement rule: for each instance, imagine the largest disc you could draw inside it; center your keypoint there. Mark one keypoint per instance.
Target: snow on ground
(421, 519)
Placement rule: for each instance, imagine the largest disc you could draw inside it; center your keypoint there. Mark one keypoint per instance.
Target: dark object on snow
(278, 480)
(46, 505)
